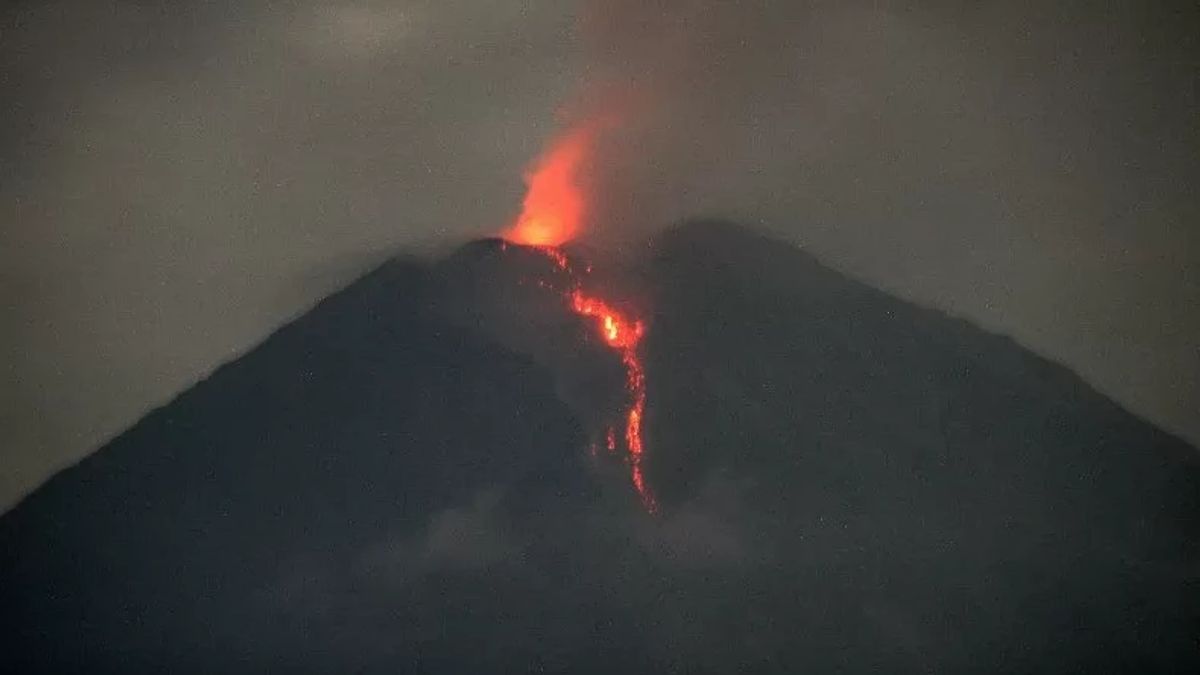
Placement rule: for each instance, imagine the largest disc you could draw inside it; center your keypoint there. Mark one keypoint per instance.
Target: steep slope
(185, 539)
(398, 481)
(956, 498)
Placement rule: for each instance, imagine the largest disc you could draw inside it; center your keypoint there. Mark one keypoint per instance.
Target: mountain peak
(848, 482)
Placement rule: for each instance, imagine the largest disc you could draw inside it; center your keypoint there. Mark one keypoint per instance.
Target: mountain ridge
(896, 487)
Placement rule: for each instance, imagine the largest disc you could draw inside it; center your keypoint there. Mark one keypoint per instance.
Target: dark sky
(179, 178)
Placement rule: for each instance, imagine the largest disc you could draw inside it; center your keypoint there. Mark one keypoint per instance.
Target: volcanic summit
(407, 478)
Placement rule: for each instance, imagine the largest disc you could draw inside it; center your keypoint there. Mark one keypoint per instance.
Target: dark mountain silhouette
(398, 482)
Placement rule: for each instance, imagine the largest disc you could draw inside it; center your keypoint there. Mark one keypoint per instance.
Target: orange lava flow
(552, 214)
(623, 334)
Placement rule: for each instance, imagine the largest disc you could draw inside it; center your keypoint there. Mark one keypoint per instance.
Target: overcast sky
(177, 179)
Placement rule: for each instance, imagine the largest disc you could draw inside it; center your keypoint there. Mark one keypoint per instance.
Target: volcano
(413, 477)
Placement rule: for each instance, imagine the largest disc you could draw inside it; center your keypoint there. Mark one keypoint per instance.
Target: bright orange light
(553, 210)
(619, 331)
(623, 334)
(552, 214)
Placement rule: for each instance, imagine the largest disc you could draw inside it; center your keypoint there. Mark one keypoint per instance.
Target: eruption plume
(553, 213)
(553, 209)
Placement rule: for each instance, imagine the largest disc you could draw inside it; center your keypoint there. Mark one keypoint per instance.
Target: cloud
(707, 531)
(693, 537)
(464, 539)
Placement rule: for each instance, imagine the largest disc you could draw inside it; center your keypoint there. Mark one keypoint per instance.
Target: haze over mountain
(400, 481)
(179, 179)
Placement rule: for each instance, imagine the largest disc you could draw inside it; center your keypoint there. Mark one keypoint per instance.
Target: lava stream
(553, 212)
(622, 333)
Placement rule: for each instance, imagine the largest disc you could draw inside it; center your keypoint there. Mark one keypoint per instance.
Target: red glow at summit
(553, 213)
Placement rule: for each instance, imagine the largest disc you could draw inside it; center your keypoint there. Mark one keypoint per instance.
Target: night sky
(177, 179)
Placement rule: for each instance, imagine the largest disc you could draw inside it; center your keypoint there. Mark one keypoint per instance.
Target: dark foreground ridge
(398, 482)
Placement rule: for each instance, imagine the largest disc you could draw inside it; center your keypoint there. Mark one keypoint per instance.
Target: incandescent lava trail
(552, 214)
(623, 334)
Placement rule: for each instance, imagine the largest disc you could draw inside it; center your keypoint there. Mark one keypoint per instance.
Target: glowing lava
(623, 334)
(553, 210)
(553, 213)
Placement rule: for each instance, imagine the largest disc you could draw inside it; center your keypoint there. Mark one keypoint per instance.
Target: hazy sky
(177, 179)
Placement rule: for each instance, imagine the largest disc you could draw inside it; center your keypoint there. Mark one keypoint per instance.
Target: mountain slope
(348, 428)
(946, 486)
(399, 481)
